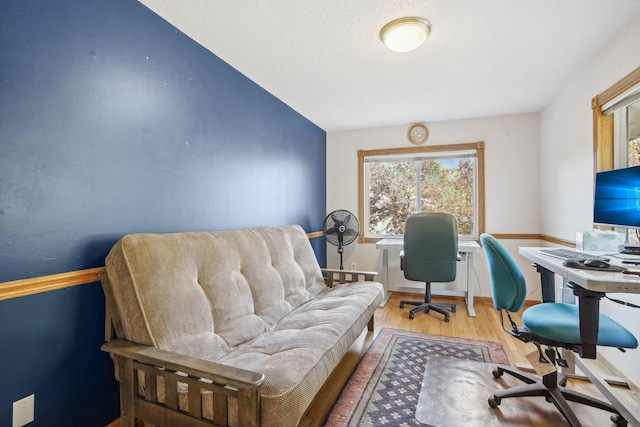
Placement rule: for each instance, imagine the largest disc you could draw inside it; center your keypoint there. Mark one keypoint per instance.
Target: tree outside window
(633, 134)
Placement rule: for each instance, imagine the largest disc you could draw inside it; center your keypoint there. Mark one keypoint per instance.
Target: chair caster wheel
(563, 383)
(446, 319)
(453, 309)
(410, 315)
(619, 420)
(401, 305)
(497, 373)
(494, 401)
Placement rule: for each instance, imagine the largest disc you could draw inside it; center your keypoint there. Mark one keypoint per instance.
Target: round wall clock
(418, 134)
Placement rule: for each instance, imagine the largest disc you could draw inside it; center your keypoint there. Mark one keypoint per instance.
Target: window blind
(421, 157)
(623, 100)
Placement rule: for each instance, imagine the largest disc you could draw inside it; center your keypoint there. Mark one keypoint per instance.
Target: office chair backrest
(430, 247)
(507, 281)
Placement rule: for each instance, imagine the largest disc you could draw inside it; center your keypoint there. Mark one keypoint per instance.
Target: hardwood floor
(486, 326)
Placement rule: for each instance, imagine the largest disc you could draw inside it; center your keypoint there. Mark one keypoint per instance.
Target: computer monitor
(617, 198)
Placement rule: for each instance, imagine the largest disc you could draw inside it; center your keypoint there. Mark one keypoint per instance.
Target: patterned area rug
(385, 387)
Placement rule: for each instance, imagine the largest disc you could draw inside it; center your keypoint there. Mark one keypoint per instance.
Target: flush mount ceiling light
(405, 34)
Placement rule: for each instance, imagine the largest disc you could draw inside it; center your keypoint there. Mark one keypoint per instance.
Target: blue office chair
(550, 324)
(430, 254)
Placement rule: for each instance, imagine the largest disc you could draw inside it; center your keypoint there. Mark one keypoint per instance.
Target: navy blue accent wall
(114, 122)
(50, 344)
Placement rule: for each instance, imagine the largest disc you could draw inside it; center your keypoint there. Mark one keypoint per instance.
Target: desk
(466, 248)
(591, 285)
(592, 280)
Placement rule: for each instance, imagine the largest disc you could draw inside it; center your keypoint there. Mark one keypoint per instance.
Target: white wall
(511, 187)
(566, 164)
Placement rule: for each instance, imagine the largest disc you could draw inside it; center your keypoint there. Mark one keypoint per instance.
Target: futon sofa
(237, 328)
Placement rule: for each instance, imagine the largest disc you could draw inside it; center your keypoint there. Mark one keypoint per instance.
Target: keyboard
(569, 254)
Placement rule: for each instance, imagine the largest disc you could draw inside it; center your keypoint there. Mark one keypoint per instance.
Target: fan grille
(341, 227)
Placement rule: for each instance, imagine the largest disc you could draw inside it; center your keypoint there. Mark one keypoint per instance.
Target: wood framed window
(603, 124)
(396, 182)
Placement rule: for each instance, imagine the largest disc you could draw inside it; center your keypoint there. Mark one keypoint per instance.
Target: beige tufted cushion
(202, 294)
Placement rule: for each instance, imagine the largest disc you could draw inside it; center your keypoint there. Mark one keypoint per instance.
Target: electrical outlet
(354, 266)
(23, 411)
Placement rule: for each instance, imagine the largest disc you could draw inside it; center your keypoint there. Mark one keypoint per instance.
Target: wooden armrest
(195, 368)
(335, 270)
(141, 369)
(334, 276)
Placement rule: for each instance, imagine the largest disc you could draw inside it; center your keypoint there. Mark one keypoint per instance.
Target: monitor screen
(617, 198)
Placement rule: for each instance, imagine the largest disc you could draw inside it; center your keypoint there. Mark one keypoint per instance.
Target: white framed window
(627, 135)
(395, 183)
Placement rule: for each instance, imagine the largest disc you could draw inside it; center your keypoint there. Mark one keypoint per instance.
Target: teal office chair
(550, 324)
(430, 255)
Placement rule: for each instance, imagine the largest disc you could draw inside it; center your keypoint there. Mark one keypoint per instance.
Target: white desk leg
(602, 384)
(385, 277)
(471, 310)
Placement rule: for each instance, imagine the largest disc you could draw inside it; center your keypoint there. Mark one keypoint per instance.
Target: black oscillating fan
(340, 228)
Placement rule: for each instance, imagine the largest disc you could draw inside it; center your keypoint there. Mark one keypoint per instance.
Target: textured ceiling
(324, 58)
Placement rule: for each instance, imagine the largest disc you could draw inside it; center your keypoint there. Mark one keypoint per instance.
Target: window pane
(392, 195)
(633, 133)
(447, 186)
(633, 144)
